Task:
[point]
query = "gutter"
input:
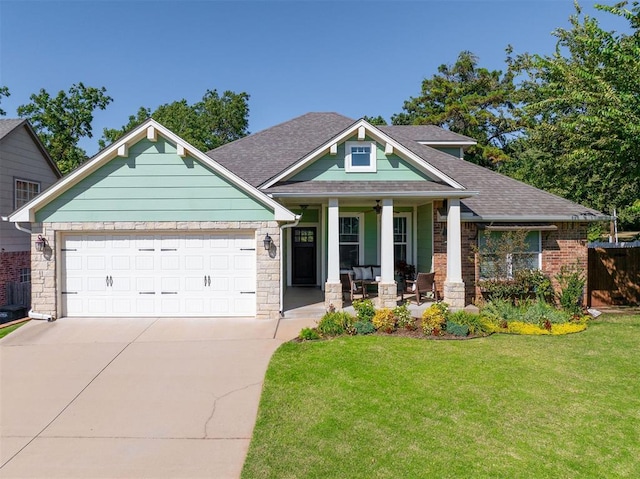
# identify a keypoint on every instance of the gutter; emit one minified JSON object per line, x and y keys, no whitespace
{"x":282,"y":285}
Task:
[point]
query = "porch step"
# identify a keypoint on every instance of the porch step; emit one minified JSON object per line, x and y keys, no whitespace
{"x":305,"y":312}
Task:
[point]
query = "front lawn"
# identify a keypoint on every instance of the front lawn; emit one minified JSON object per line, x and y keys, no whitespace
{"x":501,"y":406}
{"x":9,"y":329}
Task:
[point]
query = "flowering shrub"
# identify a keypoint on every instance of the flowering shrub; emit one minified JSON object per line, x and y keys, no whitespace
{"x":434,"y":319}
{"x":517,"y":327}
{"x":335,"y":323}
{"x":364,"y":309}
{"x":384,"y":320}
{"x":404,"y":320}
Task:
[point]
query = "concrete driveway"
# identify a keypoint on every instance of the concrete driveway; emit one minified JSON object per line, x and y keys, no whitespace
{"x":133,"y":397}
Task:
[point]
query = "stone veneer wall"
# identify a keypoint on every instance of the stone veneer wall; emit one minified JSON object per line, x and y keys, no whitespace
{"x":44,"y":267}
{"x":11,"y":263}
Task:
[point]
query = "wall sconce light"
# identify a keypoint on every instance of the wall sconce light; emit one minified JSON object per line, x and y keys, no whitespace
{"x":377,"y":208}
{"x":41,"y":243}
{"x":267,"y":242}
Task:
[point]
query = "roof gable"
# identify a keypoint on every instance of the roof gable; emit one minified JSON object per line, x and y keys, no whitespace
{"x":118,"y":160}
{"x":10,"y":125}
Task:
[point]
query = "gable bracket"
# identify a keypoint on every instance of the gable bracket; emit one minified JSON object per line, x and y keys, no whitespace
{"x":123,"y":150}
{"x":152,"y":134}
{"x":388,"y":149}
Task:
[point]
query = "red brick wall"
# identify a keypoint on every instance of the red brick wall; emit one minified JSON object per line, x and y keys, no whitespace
{"x":10,"y":265}
{"x":561,"y":247}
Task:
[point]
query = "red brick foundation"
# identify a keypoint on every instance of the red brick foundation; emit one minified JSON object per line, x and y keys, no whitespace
{"x":11,"y":263}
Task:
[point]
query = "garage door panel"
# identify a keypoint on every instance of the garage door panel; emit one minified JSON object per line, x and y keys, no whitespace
{"x":126,"y":274}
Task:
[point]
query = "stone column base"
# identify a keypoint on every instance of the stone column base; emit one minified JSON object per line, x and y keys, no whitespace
{"x":454,"y":295}
{"x":333,"y":296}
{"x":387,"y":295}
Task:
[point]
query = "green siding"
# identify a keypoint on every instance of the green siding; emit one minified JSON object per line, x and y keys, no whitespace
{"x":425,"y":238}
{"x":154,"y":184}
{"x":453,"y":151}
{"x":308,"y":216}
{"x":331,"y":168}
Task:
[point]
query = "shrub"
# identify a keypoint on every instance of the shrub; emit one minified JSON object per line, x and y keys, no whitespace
{"x":364,"y":309}
{"x":501,"y":311}
{"x":472,"y":321}
{"x":571,"y":281}
{"x":308,"y":334}
{"x":403,"y":316}
{"x":457,"y":329}
{"x":363,"y":327}
{"x":518,"y":327}
{"x":335,"y":323}
{"x":384,"y":320}
{"x":434,"y":319}
{"x":535,"y":281}
{"x":525,"y":284}
{"x":539,"y":312}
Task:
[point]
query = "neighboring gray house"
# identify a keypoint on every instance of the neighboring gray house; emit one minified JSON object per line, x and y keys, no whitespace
{"x":25,"y":170}
{"x":151,"y":226}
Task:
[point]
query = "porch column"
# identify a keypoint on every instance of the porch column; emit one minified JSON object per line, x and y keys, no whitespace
{"x":387,"y":289}
{"x":333,"y":287}
{"x":453,"y":284}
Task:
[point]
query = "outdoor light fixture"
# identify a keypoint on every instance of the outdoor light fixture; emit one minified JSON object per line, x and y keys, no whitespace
{"x":267,"y":242}
{"x":41,"y":243}
{"x":377,"y":208}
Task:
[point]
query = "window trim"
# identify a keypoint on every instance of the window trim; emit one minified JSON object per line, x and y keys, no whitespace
{"x":373,"y":156}
{"x":360,"y":242}
{"x":408,"y":243}
{"x":15,"y":190}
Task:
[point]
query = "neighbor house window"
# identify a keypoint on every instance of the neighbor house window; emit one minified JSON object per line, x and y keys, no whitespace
{"x":25,"y":275}
{"x":349,"y":234}
{"x":25,"y":191}
{"x":360,"y":156}
{"x":401,"y":238}
{"x":502,"y":253}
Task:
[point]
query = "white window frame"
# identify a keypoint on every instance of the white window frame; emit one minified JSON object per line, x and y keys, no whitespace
{"x":408,"y":243}
{"x":15,"y":191}
{"x":373,"y":154}
{"x":509,"y":258}
{"x":360,"y":242}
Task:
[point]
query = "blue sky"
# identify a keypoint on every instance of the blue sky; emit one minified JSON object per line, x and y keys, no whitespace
{"x":354,"y":57}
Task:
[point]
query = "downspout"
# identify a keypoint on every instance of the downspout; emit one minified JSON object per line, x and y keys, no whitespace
{"x":282,"y":285}
{"x":32,"y":314}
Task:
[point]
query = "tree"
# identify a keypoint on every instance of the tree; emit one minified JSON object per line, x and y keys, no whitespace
{"x":376,"y":120}
{"x":581,"y":110}
{"x":4,"y":91}
{"x":207,"y":124}
{"x":469,"y":100}
{"x":63,"y":120}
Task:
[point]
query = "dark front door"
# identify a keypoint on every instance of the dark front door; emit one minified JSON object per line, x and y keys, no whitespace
{"x":303,"y":256}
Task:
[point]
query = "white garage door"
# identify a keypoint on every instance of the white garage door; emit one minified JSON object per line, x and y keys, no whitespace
{"x":159,"y":275}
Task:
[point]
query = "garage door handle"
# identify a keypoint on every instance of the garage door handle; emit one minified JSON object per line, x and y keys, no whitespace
{"x":247,"y":292}
{"x":169,"y":292}
{"x":247,"y":249}
{"x":208,"y":280}
{"x":147,"y":292}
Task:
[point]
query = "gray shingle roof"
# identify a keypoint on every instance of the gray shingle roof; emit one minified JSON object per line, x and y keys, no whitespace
{"x":261,"y":156}
{"x":8,"y":125}
{"x":426,"y":133}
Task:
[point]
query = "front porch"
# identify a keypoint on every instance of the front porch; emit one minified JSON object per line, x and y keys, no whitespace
{"x":309,"y":303}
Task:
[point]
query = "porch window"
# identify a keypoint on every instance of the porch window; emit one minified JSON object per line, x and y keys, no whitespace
{"x":499,"y":261}
{"x":360,"y":156}
{"x":349,"y":234}
{"x":401,"y":239}
{"x":25,"y":191}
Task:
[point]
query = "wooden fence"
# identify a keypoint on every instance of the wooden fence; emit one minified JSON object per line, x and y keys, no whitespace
{"x":19,"y":294}
{"x":613,"y":275}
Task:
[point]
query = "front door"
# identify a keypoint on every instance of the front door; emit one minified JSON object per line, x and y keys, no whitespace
{"x":303,"y":256}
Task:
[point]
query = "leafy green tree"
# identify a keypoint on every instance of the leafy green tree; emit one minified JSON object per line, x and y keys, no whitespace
{"x":581,"y":111}
{"x":376,"y":120}
{"x":4,"y":91}
{"x":470,"y":100}
{"x":62,"y":120}
{"x":211,"y":122}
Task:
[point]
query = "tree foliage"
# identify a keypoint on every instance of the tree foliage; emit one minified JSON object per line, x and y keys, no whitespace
{"x":470,"y":100}
{"x":4,"y":91}
{"x":62,"y":120}
{"x":211,"y":122}
{"x":581,"y":109}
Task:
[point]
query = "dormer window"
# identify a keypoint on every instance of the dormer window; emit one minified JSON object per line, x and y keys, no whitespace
{"x":360,"y":156}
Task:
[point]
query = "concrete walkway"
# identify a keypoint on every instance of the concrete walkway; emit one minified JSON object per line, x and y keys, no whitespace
{"x":143,"y":397}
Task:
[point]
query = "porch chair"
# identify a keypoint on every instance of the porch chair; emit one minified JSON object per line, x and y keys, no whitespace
{"x":423,"y":284}
{"x":352,"y":287}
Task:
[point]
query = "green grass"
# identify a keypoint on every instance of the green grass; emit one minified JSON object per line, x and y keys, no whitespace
{"x":497,"y":407}
{"x":10,"y":329}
